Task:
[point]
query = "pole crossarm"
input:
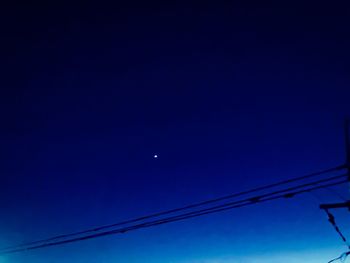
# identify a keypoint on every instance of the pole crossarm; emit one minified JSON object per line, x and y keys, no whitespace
{"x":336,"y":205}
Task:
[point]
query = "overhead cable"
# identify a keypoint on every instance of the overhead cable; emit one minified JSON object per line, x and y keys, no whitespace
{"x":187,"y":207}
{"x":285,"y":193}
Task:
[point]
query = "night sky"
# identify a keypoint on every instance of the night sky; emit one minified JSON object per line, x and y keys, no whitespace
{"x":228,"y":96}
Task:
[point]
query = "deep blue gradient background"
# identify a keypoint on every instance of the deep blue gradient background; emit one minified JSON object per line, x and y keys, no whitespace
{"x":229,"y":96}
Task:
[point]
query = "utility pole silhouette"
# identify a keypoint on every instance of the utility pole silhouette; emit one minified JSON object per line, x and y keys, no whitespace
{"x":347,"y":145}
{"x":346,"y":166}
{"x":327,"y":207}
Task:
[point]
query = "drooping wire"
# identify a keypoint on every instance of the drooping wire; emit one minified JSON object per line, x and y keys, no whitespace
{"x":331,"y":219}
{"x":334,"y":192}
{"x":187,"y":207}
{"x":342,"y":257}
{"x":286,"y":193}
{"x":166,"y":220}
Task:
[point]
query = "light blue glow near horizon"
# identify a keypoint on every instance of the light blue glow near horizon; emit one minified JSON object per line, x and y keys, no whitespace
{"x":285,"y":257}
{"x":282,"y":239}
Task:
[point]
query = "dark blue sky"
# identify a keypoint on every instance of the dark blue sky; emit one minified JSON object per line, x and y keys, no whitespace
{"x":229,"y":96}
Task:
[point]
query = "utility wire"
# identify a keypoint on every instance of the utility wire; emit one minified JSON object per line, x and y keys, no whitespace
{"x":166,"y":220}
{"x":286,"y":193}
{"x":222,"y":208}
{"x":334,"y":192}
{"x":331,"y":219}
{"x":342,"y":257}
{"x":194,"y":205}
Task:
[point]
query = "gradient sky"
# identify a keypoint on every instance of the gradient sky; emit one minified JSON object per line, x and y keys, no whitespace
{"x":228,"y":96}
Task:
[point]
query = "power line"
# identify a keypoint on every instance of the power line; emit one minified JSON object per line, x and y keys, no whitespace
{"x":167,"y":220}
{"x":331,"y":219}
{"x":346,"y":204}
{"x":187,"y":207}
{"x":341,"y":257}
{"x":285,"y":193}
{"x":334,"y":192}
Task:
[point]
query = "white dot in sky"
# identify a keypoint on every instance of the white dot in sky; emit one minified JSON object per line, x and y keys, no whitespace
{"x":155,"y":156}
